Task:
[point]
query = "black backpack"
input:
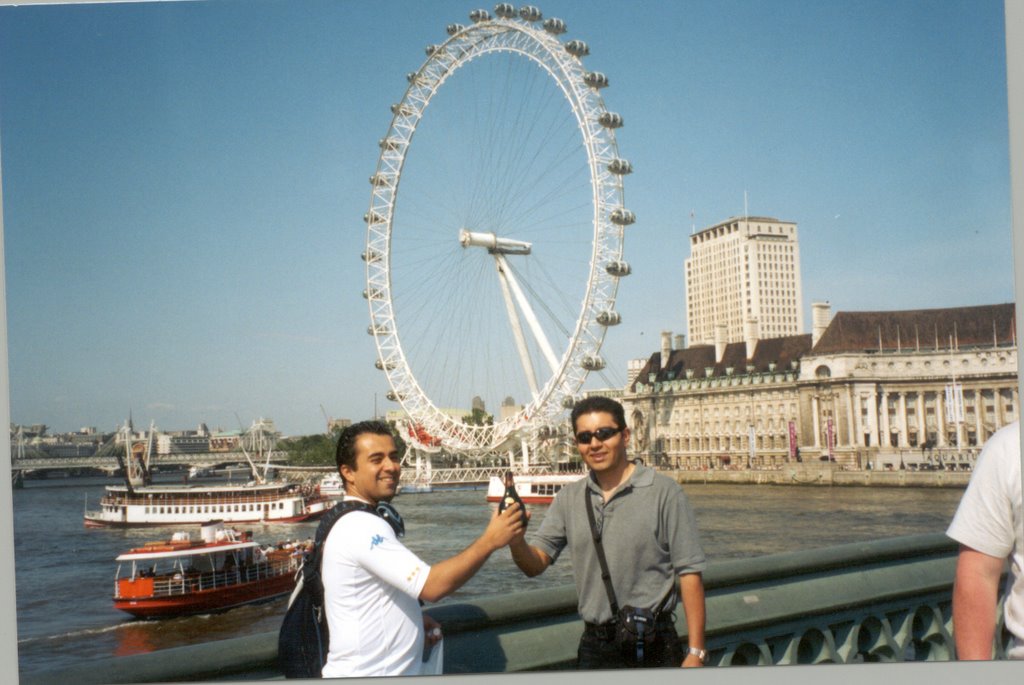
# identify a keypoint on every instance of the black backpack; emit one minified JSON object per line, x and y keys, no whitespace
{"x":303,"y":640}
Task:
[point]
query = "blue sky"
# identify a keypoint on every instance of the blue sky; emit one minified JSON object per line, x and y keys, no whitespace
{"x":184,"y":183}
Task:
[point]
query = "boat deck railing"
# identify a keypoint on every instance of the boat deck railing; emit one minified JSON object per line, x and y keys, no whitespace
{"x":182,"y":584}
{"x":879,"y":601}
{"x":197,"y":499}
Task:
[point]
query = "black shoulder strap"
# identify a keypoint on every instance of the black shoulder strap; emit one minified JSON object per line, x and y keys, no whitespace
{"x":335,"y":513}
{"x":311,"y":565}
{"x":606,"y":577}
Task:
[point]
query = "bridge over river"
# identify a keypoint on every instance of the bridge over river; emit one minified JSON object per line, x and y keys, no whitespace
{"x":442,"y":477}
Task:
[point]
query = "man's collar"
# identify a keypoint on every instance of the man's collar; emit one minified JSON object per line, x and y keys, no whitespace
{"x":642,"y":476}
{"x":353,"y":498}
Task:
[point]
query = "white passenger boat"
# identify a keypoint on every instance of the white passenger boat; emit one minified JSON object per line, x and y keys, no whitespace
{"x":140,"y":503}
{"x":165,"y":505}
{"x":331,"y":486}
{"x":535,"y":488}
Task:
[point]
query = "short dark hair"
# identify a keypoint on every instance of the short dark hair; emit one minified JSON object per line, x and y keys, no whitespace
{"x":601,"y":404}
{"x":345,"y":455}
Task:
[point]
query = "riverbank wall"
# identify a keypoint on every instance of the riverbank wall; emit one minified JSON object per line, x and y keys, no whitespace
{"x":825,"y":474}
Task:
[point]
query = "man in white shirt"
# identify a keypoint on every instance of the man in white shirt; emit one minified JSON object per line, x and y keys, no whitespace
{"x":373,"y":585}
{"x":989,"y":527}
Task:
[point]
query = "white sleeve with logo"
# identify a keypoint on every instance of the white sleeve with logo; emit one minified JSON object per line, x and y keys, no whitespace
{"x":377,"y":549}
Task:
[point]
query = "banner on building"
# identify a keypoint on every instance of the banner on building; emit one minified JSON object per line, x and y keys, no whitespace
{"x":750,"y":439}
{"x":792,"y":440}
{"x":954,"y":403}
{"x":830,"y":437}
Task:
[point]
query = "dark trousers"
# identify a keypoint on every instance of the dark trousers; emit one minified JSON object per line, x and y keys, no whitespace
{"x":598,"y":649}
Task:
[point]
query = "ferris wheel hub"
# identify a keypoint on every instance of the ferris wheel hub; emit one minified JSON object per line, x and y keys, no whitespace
{"x":493,"y":243}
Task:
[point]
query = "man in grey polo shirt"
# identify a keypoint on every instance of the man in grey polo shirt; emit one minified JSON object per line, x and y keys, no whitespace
{"x":650,"y":542}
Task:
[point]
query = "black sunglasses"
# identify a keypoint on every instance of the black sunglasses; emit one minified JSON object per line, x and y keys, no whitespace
{"x":601,"y":434}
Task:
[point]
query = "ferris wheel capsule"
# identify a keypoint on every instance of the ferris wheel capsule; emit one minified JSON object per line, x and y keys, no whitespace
{"x":609,"y":318}
{"x":555,"y":26}
{"x":373,"y":218}
{"x":380,"y":180}
{"x":595,"y":79}
{"x":477,"y":16}
{"x":393,"y":396}
{"x":505,"y":10}
{"x":620,"y":167}
{"x":592,"y":362}
{"x":389,"y":144}
{"x":401,"y":110}
{"x":621,"y":216}
{"x":618,"y":268}
{"x":531,"y":13}
{"x":370,"y":256}
{"x":453,"y":29}
{"x":577,"y":48}
{"x":610,"y":120}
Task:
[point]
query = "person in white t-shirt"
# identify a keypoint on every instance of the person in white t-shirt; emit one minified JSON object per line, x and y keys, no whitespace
{"x":373,"y":585}
{"x":989,"y":527}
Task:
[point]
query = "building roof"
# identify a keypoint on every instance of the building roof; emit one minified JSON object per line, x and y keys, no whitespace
{"x":907,"y":330}
{"x":924,"y":329}
{"x":779,"y":351}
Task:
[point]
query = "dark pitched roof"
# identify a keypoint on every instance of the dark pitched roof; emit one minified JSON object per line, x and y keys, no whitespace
{"x":780,"y":351}
{"x":926,"y":329}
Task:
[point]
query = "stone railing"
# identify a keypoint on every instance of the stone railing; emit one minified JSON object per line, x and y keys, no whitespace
{"x":886,"y":600}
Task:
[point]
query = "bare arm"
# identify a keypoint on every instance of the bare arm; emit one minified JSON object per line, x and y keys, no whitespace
{"x":975,"y":595}
{"x":691,"y":589}
{"x":451,"y":574}
{"x":530,"y":560}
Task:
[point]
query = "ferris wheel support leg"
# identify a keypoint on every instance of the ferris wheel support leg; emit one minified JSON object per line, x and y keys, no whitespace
{"x":531,"y":318}
{"x":517,"y":329}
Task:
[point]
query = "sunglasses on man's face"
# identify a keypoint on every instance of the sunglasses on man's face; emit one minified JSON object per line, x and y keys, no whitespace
{"x":601,"y":434}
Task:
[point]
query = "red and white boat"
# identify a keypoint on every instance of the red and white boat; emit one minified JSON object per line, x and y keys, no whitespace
{"x":221,"y":570}
{"x":534,"y":488}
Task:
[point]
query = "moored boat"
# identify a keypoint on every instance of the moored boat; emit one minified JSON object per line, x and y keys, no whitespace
{"x":331,"y":486}
{"x":534,"y":488}
{"x":221,"y":570}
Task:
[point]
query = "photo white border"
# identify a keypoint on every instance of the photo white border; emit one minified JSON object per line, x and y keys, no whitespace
{"x":933,"y":674}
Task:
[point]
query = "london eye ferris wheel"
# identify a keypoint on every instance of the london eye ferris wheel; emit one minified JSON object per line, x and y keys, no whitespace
{"x":494,"y":243}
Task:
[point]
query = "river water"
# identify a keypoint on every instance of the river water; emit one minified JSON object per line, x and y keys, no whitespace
{"x":65,"y":573}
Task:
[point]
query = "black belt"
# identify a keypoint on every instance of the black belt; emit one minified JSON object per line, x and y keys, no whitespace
{"x":606,"y":631}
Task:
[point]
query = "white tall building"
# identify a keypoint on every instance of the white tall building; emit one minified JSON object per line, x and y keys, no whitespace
{"x":743,"y":279}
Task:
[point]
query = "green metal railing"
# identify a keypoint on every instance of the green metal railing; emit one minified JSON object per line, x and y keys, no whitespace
{"x":886,"y":600}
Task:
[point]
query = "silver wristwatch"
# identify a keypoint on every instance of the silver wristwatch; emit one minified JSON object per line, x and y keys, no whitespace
{"x":701,"y":654}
